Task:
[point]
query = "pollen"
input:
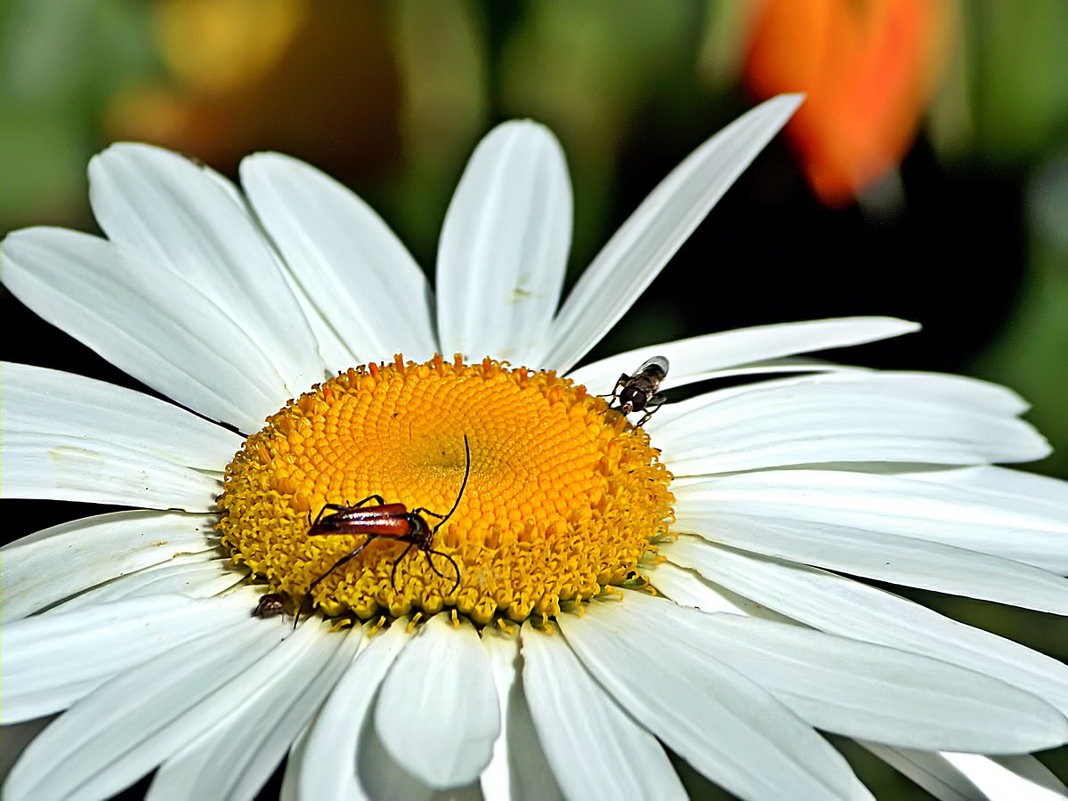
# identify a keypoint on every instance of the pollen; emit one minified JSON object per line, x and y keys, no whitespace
{"x":563,"y":496}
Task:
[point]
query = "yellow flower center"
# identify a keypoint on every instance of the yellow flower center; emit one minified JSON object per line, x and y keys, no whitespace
{"x":562,"y":499}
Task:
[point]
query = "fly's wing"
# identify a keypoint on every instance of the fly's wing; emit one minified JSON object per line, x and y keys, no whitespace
{"x":656,"y":367}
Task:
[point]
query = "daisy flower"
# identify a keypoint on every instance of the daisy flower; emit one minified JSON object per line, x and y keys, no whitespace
{"x":496,"y":584}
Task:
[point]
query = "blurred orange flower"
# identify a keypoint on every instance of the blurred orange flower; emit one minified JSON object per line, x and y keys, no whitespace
{"x":868,"y":68}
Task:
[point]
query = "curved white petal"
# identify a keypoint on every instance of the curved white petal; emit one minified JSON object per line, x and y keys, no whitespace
{"x":233,"y":760}
{"x":519,"y":769}
{"x":687,"y":589}
{"x":862,"y":690}
{"x":973,"y":777}
{"x":929,"y":770}
{"x":842,"y":417}
{"x":156,"y":325}
{"x":697,"y":358}
{"x":437,"y":713}
{"x":37,"y":570}
{"x":595,"y":748}
{"x":131,"y":724}
{"x":67,"y":437}
{"x":194,"y":576}
{"x":885,"y":557}
{"x":1009,"y":778}
{"x":504,"y":247}
{"x":352,"y":267}
{"x":649,"y":238}
{"x":189,"y":219}
{"x":326,"y":762}
{"x":849,"y":608}
{"x":52,"y":661}
{"x":719,"y":721}
{"x":978,"y":520}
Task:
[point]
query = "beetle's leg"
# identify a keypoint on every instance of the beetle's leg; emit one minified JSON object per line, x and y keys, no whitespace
{"x":432,"y":514}
{"x":381,"y":502}
{"x":456,"y":582}
{"x":397,"y":561}
{"x":340,"y":562}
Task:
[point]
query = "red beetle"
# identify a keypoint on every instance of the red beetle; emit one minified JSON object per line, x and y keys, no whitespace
{"x":390,"y":521}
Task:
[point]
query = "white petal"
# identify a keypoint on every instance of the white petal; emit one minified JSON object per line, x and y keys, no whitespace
{"x":595,"y":748}
{"x":519,"y":769}
{"x":649,"y":238}
{"x":134,"y":722}
{"x":437,"y":713}
{"x":841,"y":417}
{"x":929,"y":770}
{"x":37,"y":570}
{"x":988,"y":522}
{"x":849,"y":608}
{"x":687,"y":589}
{"x":1050,"y":493}
{"x":177,"y":215}
{"x":351,"y":265}
{"x":724,"y":725}
{"x":504,"y":247}
{"x":695,"y":359}
{"x":326,"y":766}
{"x":153,"y":324}
{"x":67,"y":437}
{"x":1009,"y":779}
{"x":863,"y":690}
{"x":885,"y":557}
{"x":194,"y":576}
{"x":52,"y":661}
{"x":233,"y":760}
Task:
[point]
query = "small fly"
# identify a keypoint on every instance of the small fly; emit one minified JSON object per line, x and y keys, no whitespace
{"x":391,"y":521}
{"x":271,"y":604}
{"x":638,"y":392}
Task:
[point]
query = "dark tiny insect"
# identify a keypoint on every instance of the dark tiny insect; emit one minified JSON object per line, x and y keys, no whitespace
{"x":638,"y":392}
{"x":270,"y":605}
{"x":390,"y":521}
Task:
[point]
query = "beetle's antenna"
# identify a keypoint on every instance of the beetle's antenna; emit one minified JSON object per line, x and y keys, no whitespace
{"x":463,"y":486}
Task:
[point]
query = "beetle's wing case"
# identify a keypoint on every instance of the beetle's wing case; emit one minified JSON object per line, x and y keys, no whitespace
{"x":657,"y":363}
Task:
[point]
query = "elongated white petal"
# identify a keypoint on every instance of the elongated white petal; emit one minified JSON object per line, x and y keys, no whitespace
{"x":519,"y":768}
{"x":156,"y":325}
{"x":595,"y":748}
{"x":1051,"y":493}
{"x":233,"y":760}
{"x":695,"y":358}
{"x":886,"y":557}
{"x":187,"y":218}
{"x":52,"y":661}
{"x":722,"y":723}
{"x":649,"y":238}
{"x":864,"y":690}
{"x":1008,"y":779}
{"x":973,"y":777}
{"x":988,"y":522}
{"x":37,"y":570}
{"x":194,"y":576}
{"x":929,"y":770}
{"x":688,"y":589}
{"x":849,"y":608}
{"x":67,"y":437}
{"x":842,"y":417}
{"x":326,"y":763}
{"x":438,"y":713}
{"x":504,"y":247}
{"x":345,"y":258}
{"x":134,"y":722}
